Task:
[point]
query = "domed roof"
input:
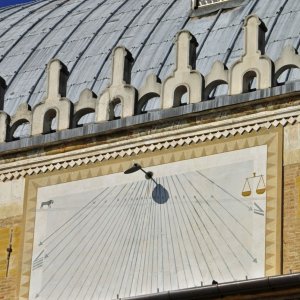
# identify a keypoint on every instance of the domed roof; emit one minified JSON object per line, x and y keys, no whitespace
{"x":83,"y":33}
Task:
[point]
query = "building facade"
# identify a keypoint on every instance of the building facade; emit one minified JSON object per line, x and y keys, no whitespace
{"x":158,"y":153}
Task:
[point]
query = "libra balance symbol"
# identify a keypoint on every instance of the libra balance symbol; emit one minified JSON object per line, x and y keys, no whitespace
{"x":260,"y":188}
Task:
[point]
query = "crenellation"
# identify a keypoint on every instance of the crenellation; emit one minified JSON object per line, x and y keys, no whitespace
{"x":120,"y":89}
{"x":218,"y":75}
{"x":288,"y":59}
{"x":151,"y":89}
{"x":185,"y":85}
{"x":23,"y":115}
{"x":253,"y":63}
{"x":85,"y":105}
{"x":55,"y":105}
{"x":185,"y":79}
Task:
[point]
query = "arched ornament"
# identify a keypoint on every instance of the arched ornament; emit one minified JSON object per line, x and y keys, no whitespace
{"x":119,"y":89}
{"x":55,"y":99}
{"x":288,"y":59}
{"x":184,"y":74}
{"x":253,"y":59}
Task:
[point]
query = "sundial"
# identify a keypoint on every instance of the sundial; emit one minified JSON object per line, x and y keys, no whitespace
{"x":192,"y":222}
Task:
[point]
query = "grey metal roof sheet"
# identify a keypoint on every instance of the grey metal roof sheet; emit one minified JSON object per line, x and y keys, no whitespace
{"x":82,"y":33}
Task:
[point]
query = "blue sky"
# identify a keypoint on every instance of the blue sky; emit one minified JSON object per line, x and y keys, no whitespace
{"x":12,"y":2}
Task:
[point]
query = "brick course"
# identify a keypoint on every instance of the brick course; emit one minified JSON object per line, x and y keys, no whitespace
{"x":291,"y":219}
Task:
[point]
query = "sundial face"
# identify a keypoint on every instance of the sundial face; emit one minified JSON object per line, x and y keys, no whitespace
{"x":118,"y":234}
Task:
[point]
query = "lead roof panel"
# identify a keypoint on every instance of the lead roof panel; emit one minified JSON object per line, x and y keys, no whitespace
{"x":83,"y":33}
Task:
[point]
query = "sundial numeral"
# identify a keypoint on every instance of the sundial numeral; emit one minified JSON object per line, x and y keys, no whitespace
{"x":258,"y":210}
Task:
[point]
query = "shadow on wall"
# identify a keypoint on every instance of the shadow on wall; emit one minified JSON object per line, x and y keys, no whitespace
{"x":160,"y":195}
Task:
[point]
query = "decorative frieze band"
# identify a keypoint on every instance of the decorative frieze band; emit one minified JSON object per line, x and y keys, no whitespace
{"x":131,"y":148}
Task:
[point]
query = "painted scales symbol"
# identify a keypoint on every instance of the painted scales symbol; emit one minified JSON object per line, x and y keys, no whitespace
{"x":260,"y":188}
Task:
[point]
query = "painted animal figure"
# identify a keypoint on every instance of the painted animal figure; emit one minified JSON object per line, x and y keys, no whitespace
{"x":47,"y":203}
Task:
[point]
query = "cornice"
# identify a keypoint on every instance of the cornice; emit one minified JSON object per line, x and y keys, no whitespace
{"x":155,"y":141}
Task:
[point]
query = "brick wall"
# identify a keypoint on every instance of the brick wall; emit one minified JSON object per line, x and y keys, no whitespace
{"x":291,"y":219}
{"x":9,"y":284}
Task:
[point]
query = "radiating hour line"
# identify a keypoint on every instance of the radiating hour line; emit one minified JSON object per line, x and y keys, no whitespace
{"x":224,"y":190}
{"x":113,"y":242}
{"x":139,"y":252}
{"x":204,"y":226}
{"x":66,"y":260}
{"x":108,"y":217}
{"x":146,"y":281}
{"x":73,"y":217}
{"x":188,"y":216}
{"x":231,"y":215}
{"x":136,"y":217}
{"x":200,"y":231}
{"x":228,"y":227}
{"x":76,"y":227}
{"x":66,"y":248}
{"x":111,"y":238}
{"x":121,"y":245}
{"x":168,"y":222}
{"x":216,"y":246}
{"x":109,"y":235}
{"x":222,"y":221}
{"x":183,"y":211}
{"x":177,"y":237}
{"x":145,"y":251}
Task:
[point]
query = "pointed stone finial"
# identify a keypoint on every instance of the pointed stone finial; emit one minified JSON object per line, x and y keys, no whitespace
{"x":184,"y":76}
{"x":288,"y":59}
{"x":253,"y":63}
{"x":119,"y":90}
{"x":55,"y":105}
{"x":254,"y":36}
{"x":57,"y":79}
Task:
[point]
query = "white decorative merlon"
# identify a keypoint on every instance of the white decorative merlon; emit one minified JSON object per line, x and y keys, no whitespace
{"x":218,"y":75}
{"x":184,"y":79}
{"x":151,"y":88}
{"x":86,"y":104}
{"x":22,"y":115}
{"x":55,"y":105}
{"x":120,"y":89}
{"x":289,"y":59}
{"x":253,"y":63}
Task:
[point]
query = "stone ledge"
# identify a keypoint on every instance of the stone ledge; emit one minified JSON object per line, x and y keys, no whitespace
{"x":151,"y":118}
